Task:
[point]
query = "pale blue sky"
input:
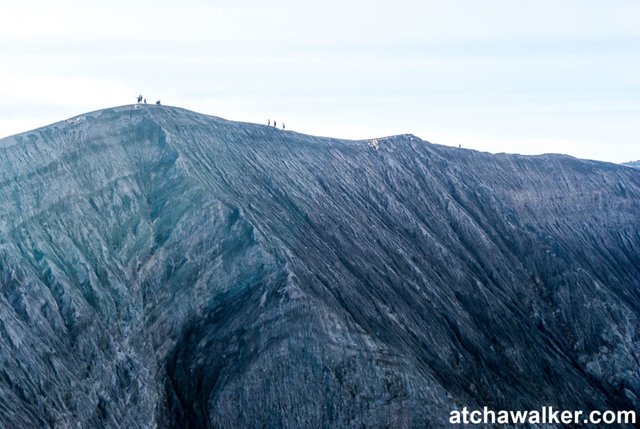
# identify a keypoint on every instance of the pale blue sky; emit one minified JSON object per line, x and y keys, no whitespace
{"x":514,"y":76}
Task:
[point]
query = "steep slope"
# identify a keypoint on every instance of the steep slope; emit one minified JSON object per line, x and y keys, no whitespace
{"x":161,"y":267}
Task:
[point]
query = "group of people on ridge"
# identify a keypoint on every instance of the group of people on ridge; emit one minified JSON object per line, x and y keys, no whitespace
{"x":275,"y":124}
{"x":141,"y":99}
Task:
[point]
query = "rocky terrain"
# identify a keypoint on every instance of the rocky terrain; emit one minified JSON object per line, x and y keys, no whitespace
{"x":162,"y":268}
{"x":635,"y":164}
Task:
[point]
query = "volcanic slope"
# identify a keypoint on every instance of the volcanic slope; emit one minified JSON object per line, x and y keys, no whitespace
{"x":163,"y":267}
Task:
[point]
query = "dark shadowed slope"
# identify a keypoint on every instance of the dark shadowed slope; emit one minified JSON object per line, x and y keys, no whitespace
{"x":162,"y":267}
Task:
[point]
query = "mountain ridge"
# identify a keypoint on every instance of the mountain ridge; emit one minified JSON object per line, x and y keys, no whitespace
{"x":163,"y":267}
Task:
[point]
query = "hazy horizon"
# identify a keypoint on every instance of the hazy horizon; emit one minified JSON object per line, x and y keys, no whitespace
{"x":499,"y":77}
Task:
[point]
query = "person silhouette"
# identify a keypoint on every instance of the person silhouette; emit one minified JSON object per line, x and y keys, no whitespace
{"x":275,"y":124}
{"x":283,"y":125}
{"x":269,"y":122}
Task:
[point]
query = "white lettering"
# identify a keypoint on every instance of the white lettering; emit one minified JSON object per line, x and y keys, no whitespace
{"x":577,"y":417}
{"x":566,"y":417}
{"x":553,"y":416}
{"x":545,"y":416}
{"x":476,"y":417}
{"x":489,"y":416}
{"x":627,"y":417}
{"x":609,"y":417}
{"x":465,"y":415}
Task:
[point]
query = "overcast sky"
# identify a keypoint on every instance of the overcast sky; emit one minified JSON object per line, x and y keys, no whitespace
{"x":515,"y":76}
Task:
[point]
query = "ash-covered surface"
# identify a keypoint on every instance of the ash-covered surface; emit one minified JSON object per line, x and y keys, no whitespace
{"x":162,"y":268}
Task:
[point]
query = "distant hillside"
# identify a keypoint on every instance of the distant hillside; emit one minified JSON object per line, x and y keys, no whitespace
{"x":163,"y":268}
{"x":634,"y":164}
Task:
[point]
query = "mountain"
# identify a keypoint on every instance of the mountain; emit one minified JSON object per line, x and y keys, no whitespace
{"x":634,"y":164}
{"x":163,"y":268}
